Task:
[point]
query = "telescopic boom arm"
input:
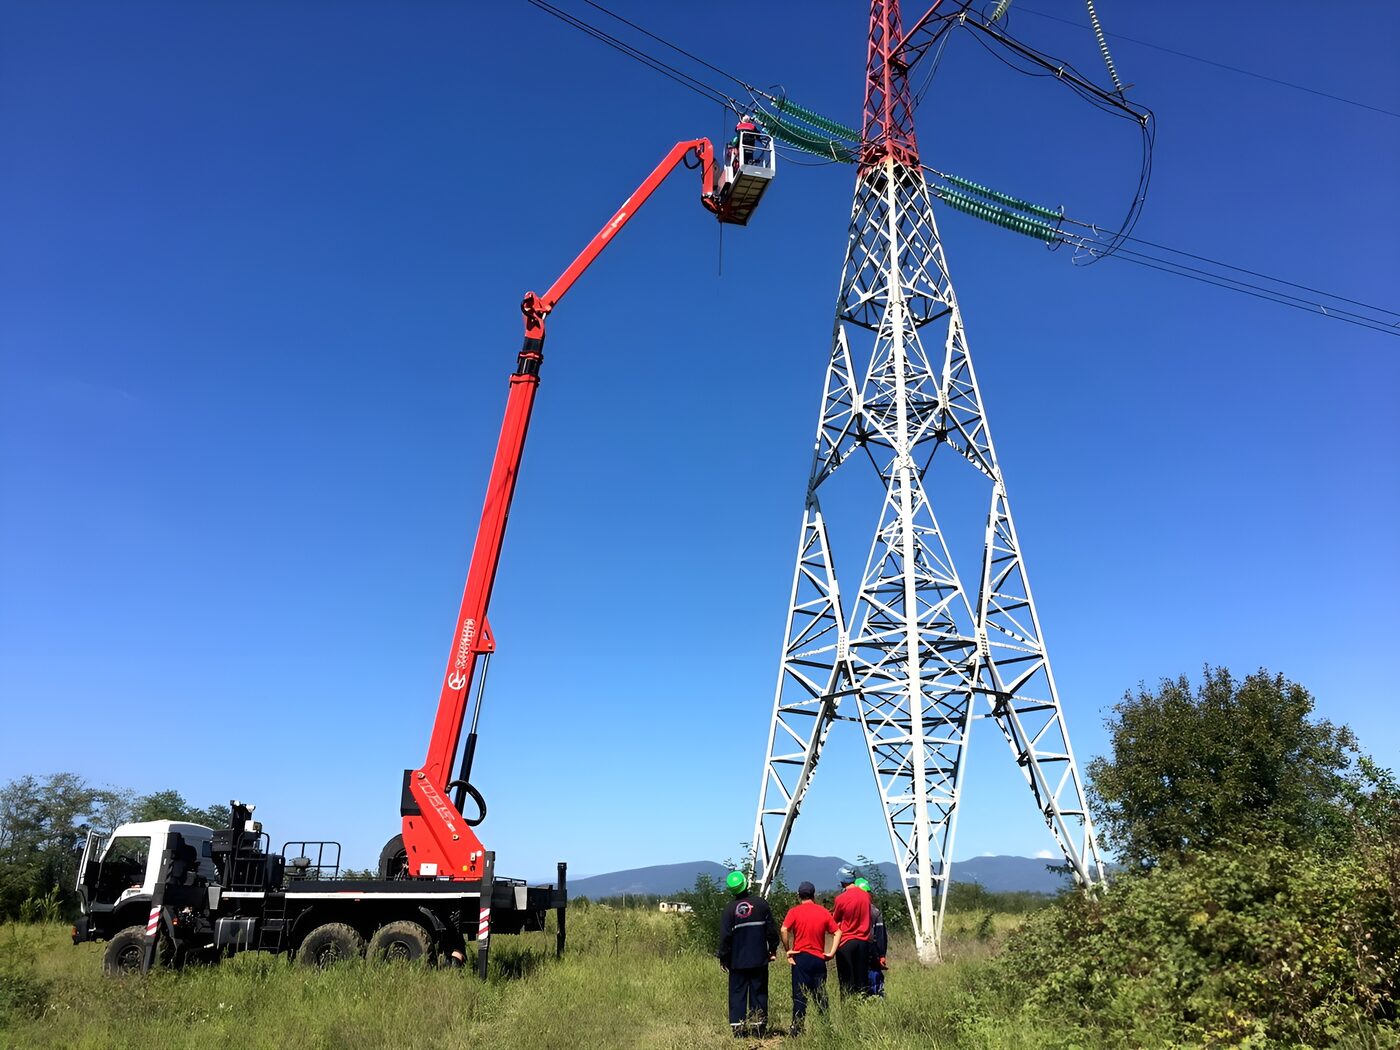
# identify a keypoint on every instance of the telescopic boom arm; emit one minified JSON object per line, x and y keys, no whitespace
{"x":437,"y":840}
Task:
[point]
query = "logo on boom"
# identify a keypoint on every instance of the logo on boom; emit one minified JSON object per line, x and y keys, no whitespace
{"x":464,"y":647}
{"x":457,"y":679}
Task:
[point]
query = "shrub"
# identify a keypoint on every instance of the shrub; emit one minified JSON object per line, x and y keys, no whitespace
{"x":707,"y":899}
{"x":1257,"y":943}
{"x":45,"y":908}
{"x":973,"y":896}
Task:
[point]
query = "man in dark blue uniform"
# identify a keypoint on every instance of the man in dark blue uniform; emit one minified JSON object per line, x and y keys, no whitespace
{"x":748,"y":942}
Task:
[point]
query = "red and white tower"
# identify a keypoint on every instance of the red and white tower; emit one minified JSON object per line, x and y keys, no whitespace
{"x":921,"y":652}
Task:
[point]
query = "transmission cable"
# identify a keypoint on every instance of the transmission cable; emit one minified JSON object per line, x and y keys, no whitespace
{"x":924,"y":87}
{"x":1165,"y":266}
{"x":687,"y":81}
{"x":674,"y":47}
{"x":1088,"y":242}
{"x":1281,"y":297}
{"x":1056,"y":69}
{"x":1218,"y":65}
{"x":1048,"y":225}
{"x":1254,"y":273}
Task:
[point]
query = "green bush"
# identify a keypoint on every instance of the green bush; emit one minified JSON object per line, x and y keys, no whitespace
{"x":707,"y":900}
{"x":700,"y":925}
{"x":1254,"y":944}
{"x":973,"y":896}
{"x":42,"y":909}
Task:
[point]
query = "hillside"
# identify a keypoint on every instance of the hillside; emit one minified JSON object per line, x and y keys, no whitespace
{"x":997,"y":874}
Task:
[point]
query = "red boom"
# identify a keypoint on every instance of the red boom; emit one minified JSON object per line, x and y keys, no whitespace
{"x":436,"y":838}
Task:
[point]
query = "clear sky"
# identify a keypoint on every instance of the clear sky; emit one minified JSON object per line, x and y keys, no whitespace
{"x":259,"y":276}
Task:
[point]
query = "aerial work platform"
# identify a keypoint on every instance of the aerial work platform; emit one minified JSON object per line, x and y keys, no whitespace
{"x":749,"y":164}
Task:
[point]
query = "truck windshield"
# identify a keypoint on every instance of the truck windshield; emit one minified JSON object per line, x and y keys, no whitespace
{"x":123,"y":866}
{"x":129,"y":849}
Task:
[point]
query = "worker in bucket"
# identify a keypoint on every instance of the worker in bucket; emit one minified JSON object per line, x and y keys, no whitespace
{"x":748,"y":942}
{"x":879,"y":945}
{"x":851,"y":911}
{"x":805,"y":930}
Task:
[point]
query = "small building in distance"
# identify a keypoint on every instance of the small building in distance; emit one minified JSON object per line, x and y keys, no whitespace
{"x":675,"y":906}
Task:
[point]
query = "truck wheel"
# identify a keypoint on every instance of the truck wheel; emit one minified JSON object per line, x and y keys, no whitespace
{"x":393,"y":859}
{"x":402,"y":942}
{"x":127,"y":950}
{"x":332,"y":943}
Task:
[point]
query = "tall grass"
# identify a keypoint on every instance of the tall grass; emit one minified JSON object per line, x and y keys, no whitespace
{"x":627,"y":980}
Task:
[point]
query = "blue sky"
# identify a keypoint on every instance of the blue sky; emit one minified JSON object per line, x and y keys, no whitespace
{"x":258,"y":302}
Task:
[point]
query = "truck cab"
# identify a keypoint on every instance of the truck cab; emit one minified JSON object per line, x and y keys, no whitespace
{"x":117,"y":874}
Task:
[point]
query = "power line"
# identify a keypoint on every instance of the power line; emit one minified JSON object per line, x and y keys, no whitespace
{"x":674,"y":47}
{"x":1086,"y":242}
{"x":1266,"y":277}
{"x":1019,"y":54}
{"x":682,"y":78}
{"x":1218,"y":65}
{"x":1166,"y":266}
{"x":1090,"y":240}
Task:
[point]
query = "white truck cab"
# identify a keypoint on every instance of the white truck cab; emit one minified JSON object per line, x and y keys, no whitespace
{"x":118,"y":872}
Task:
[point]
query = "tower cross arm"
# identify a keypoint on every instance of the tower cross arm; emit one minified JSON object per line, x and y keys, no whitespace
{"x":923,"y":35}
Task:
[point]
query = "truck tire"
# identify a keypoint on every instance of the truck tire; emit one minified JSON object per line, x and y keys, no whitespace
{"x":127,"y":950}
{"x":332,"y":943}
{"x":405,"y":941}
{"x":393,"y":859}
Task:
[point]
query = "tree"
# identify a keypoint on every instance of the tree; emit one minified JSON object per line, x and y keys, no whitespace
{"x":1226,"y":762}
{"x":43,"y":824}
{"x":171,"y":805}
{"x":1374,"y":805}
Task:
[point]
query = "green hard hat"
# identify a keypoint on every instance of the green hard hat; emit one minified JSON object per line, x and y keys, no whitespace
{"x":737,"y":882}
{"x":863,"y":884}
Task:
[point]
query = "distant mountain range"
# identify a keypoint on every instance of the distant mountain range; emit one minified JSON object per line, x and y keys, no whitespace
{"x":997,"y":874}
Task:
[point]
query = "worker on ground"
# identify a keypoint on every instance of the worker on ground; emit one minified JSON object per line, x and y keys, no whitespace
{"x":852,"y":914}
{"x":748,"y":942}
{"x":879,"y":945}
{"x":805,"y":928}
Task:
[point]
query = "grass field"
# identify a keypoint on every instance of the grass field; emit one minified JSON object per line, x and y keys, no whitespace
{"x":626,"y":981}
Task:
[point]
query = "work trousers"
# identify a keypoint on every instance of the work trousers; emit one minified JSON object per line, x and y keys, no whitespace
{"x":852,"y":966}
{"x":748,"y":998}
{"x":808,"y":981}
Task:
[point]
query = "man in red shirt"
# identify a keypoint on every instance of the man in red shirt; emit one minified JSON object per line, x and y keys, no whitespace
{"x":804,"y":936}
{"x":852,"y":914}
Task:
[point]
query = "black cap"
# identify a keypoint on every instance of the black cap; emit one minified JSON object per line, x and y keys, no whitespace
{"x":806,"y":890}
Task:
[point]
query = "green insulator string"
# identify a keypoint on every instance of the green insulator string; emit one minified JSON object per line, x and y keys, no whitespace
{"x":785,"y":129}
{"x":995,"y":195}
{"x":805,"y":140}
{"x":787,"y":107}
{"x":999,"y":216}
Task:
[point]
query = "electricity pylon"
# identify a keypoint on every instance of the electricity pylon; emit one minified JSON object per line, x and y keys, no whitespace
{"x":916,"y":657}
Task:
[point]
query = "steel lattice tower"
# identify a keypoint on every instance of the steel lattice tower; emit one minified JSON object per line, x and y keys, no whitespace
{"x":916,"y":658}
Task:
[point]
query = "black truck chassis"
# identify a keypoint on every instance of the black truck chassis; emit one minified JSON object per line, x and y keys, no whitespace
{"x":260,"y":903}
